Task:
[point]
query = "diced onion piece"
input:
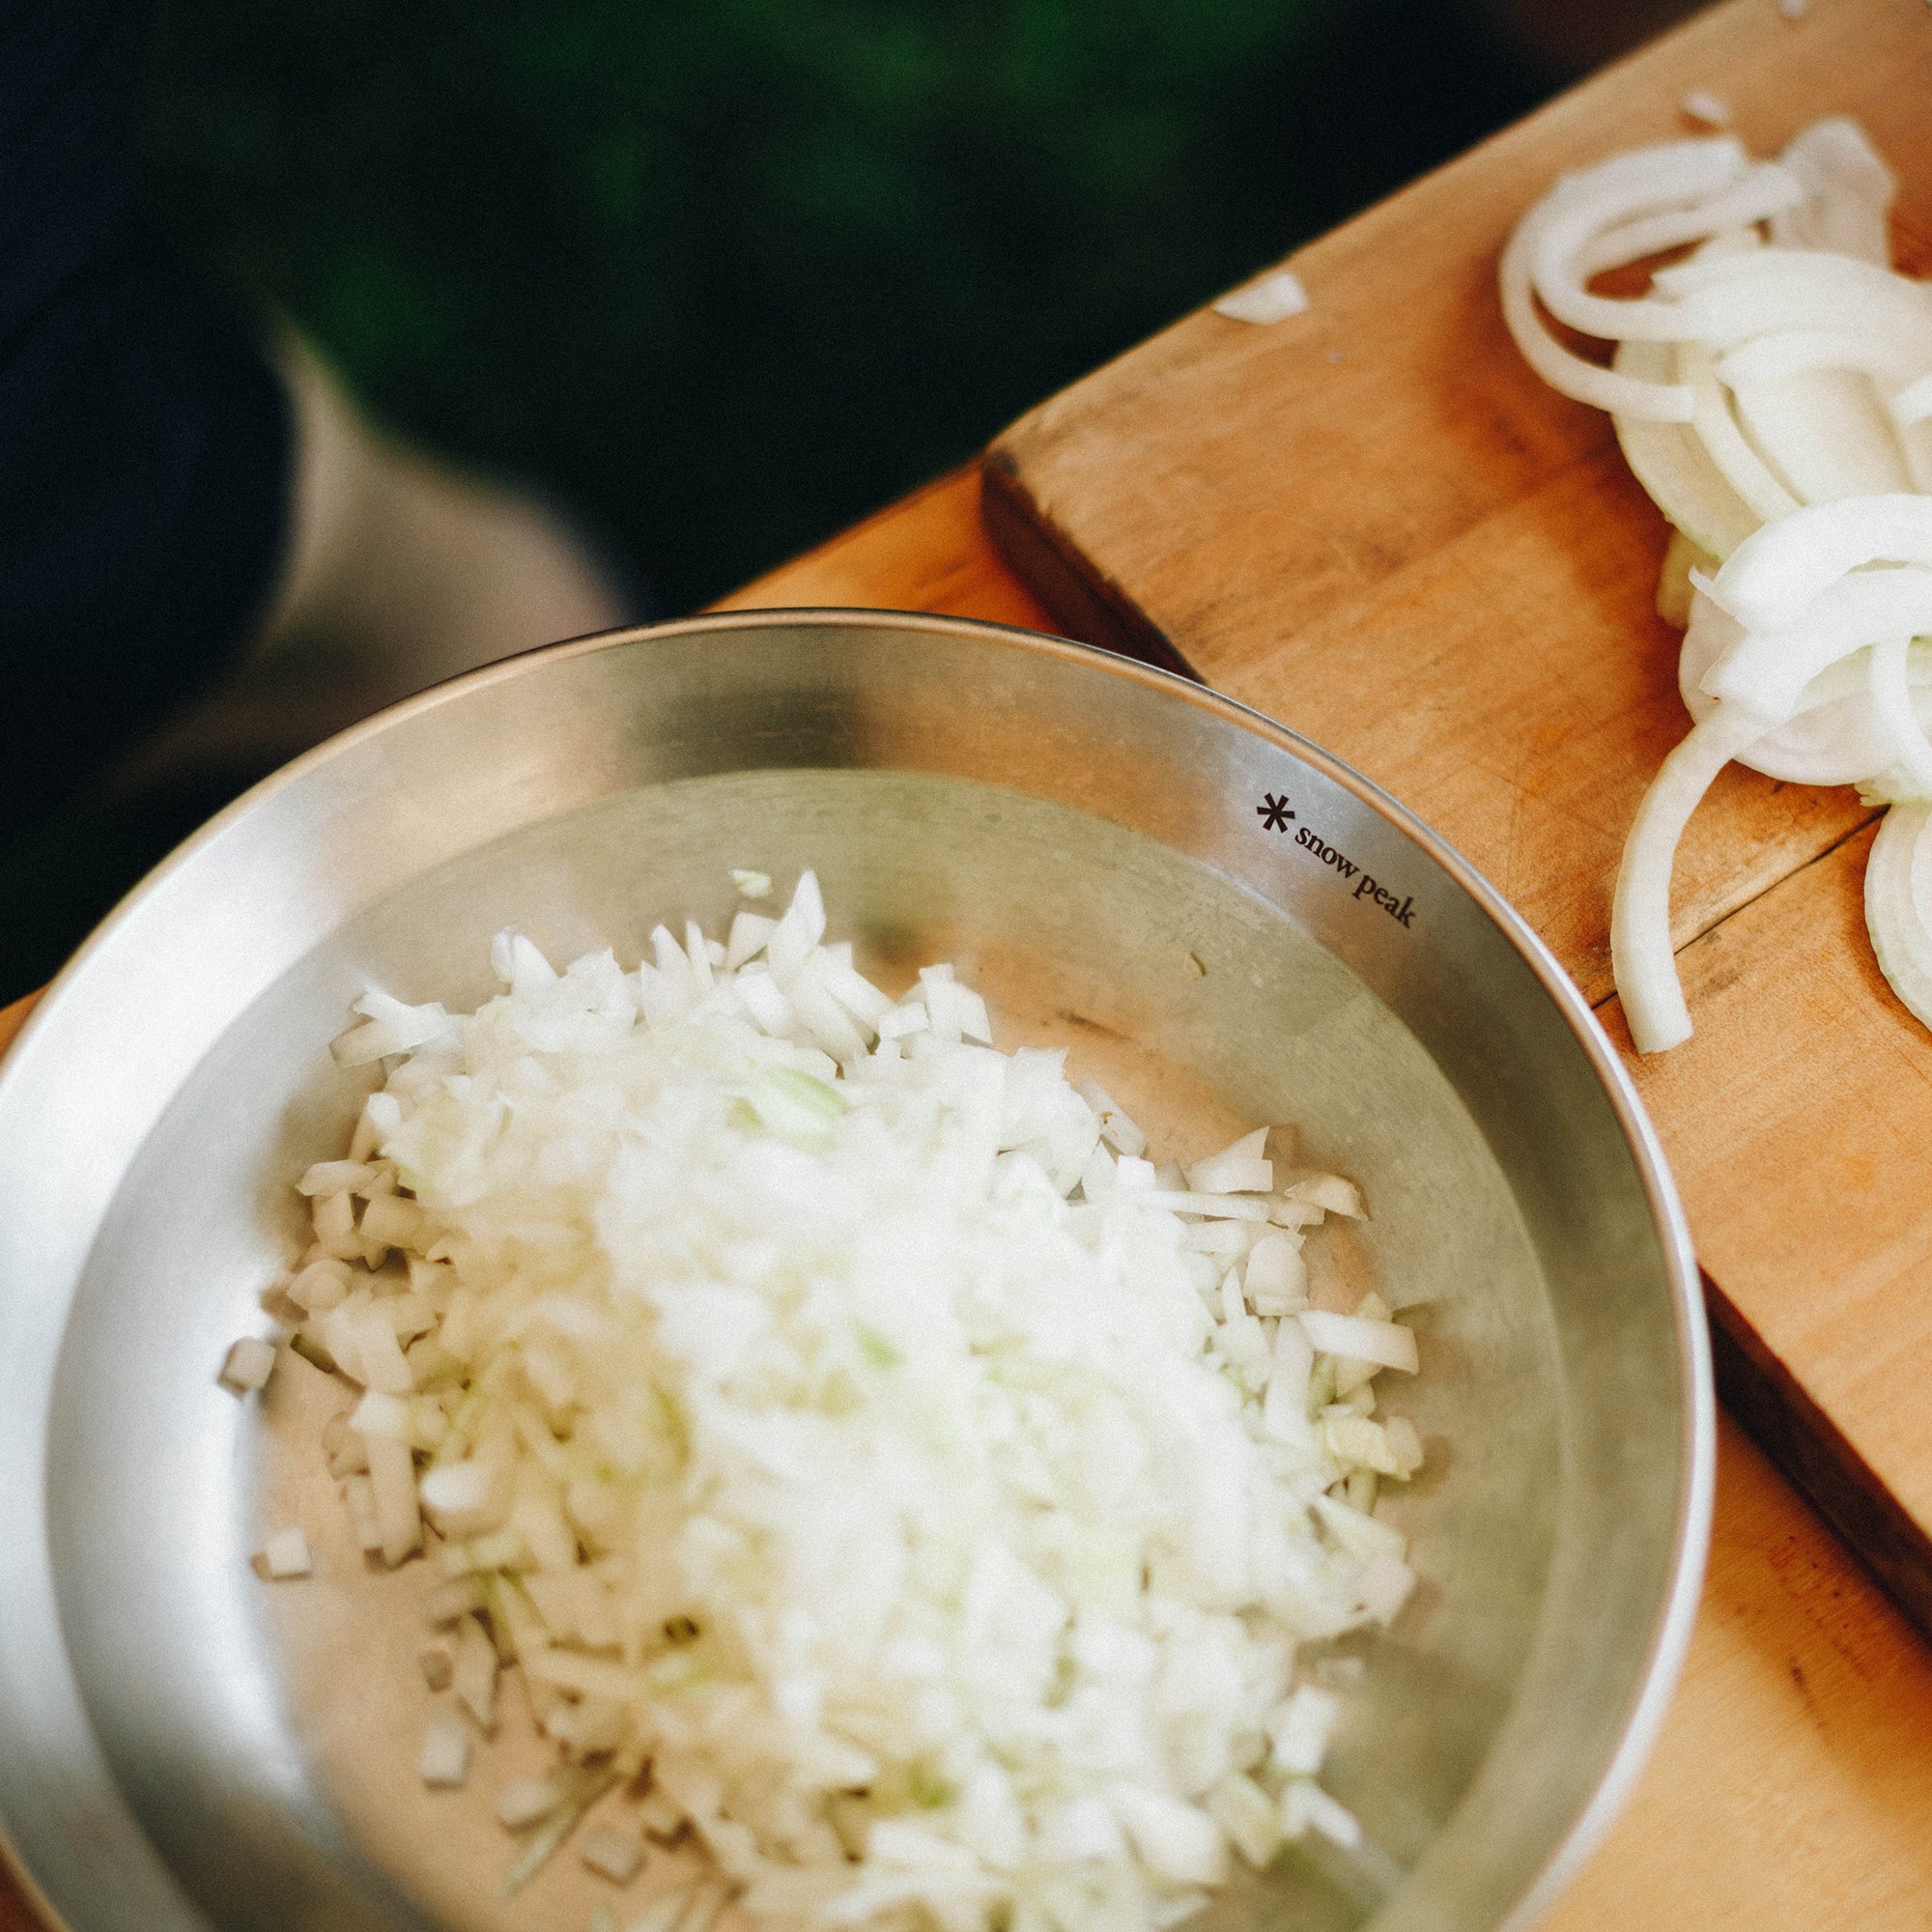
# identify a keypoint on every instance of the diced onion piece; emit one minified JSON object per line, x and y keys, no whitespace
{"x":1333,"y":1194}
{"x":1275,"y":1279}
{"x":854,"y":992}
{"x":798,"y":932}
{"x":465,"y":1498}
{"x":1699,"y":104}
{"x":1305,"y":1805}
{"x":1402,"y":1437}
{"x":1299,"y":1729}
{"x":750,"y":933}
{"x":392,"y":1026}
{"x":285,"y":1554}
{"x":1270,"y":297}
{"x":752,"y":885}
{"x":474,"y":1676}
{"x":359,"y":1497}
{"x":903,"y":1021}
{"x":1240,"y":1169}
{"x":249,"y":1364}
{"x":1386,"y":1585}
{"x":1248,"y":1816}
{"x":765,"y":1002}
{"x":393,"y":1479}
{"x":335,"y":1176}
{"x":320,"y":1285}
{"x":1175,"y":1839}
{"x":445,"y":1754}
{"x":525,"y":1800}
{"x":611,"y":1853}
{"x":1390,"y":1344}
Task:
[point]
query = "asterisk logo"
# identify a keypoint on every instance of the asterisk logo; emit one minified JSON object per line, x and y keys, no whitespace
{"x":1273,"y":813}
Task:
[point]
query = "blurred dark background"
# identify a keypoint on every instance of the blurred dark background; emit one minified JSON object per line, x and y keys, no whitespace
{"x":725,"y":274}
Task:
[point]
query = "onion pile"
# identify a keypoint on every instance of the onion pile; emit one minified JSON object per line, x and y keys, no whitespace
{"x":1773,"y":392}
{"x":848,"y":1426}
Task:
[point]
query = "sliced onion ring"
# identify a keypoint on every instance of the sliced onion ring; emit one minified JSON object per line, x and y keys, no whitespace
{"x":1761,"y":490}
{"x":1676,"y":470}
{"x":1898,"y":895}
{"x":1568,"y":372}
{"x":1767,"y":671}
{"x":1641,"y":955}
{"x":1730,"y":298}
{"x":1769,"y":581}
{"x":1575,"y":242}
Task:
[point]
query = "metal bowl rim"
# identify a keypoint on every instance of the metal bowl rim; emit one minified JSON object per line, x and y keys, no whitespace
{"x":1676,"y":1616}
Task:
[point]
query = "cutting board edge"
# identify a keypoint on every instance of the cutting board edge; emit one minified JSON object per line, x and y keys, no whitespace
{"x":1812,"y":1450}
{"x":1081,"y":601}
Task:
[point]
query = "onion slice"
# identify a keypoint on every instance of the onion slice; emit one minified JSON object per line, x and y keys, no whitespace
{"x":1848,"y":192}
{"x":1641,"y":951}
{"x":1770,"y":580}
{"x":1568,"y":372}
{"x":1676,"y":467}
{"x":1898,"y":892}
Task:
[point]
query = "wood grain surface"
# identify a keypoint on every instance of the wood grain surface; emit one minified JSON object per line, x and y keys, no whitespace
{"x":1793,"y":1782}
{"x":1374,"y":523}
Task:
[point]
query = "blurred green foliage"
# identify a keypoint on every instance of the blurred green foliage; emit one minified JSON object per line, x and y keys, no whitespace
{"x":728,"y":273}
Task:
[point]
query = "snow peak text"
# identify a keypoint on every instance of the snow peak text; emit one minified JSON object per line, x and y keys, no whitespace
{"x":1401,"y":910}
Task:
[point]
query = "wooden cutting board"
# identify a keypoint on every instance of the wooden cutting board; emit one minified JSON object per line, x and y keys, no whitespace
{"x":1372,"y":523}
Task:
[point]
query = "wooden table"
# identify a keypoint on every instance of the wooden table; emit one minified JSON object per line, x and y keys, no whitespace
{"x":1793,"y":1784}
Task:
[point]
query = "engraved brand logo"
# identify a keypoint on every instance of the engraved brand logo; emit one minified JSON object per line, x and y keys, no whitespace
{"x":1401,"y":910}
{"x":1273,"y":811}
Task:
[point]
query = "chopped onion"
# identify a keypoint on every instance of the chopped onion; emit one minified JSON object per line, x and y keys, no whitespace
{"x":831,"y":1409}
{"x":1389,"y":1344}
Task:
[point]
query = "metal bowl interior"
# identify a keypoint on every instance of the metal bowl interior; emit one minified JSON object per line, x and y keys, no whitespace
{"x":1092,"y":841}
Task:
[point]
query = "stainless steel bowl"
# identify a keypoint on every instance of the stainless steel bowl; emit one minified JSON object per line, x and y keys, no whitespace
{"x":1212,"y":911}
